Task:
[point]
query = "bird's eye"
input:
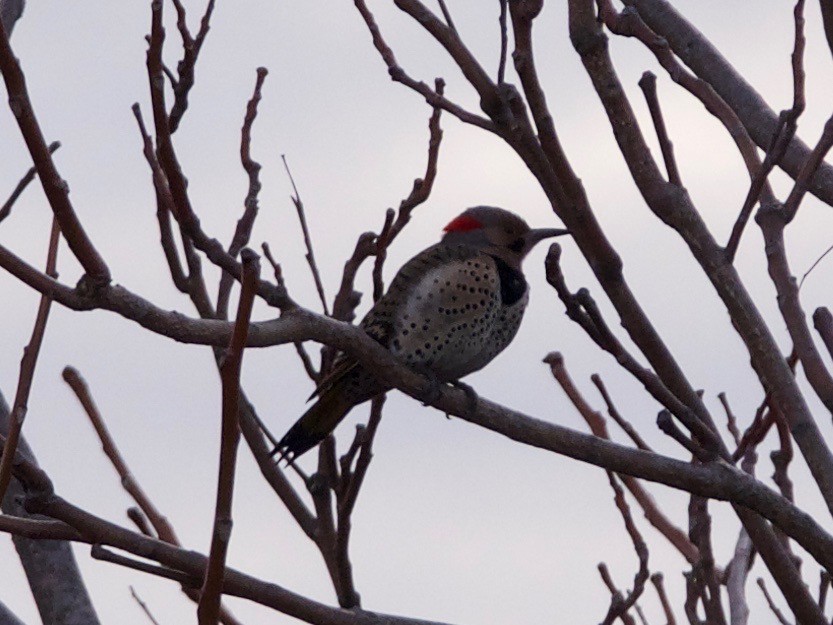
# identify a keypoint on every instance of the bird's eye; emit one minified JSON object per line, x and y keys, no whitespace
{"x":517,"y":245}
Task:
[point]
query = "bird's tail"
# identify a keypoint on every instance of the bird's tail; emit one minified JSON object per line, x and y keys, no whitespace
{"x":315,"y":424}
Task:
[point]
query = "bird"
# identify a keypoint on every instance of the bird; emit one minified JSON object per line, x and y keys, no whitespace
{"x":448,"y":312}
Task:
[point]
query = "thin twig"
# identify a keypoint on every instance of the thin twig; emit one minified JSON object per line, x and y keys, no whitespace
{"x":310,"y":255}
{"x":666,"y":424}
{"x":813,"y":266}
{"x":98,"y":552}
{"x":778,"y":614}
{"x":398,"y":74}
{"x":504,"y":43}
{"x":648,"y":84}
{"x":619,"y":608}
{"x":731,"y":420}
{"x":55,"y":187}
{"x":616,"y":415}
{"x":808,"y":170}
{"x":656,"y":580}
{"x":616,"y":599}
{"x":164,"y":530}
{"x":27,"y":366}
{"x":243,"y":231}
{"x":447,"y":15}
{"x":781,"y":139}
{"x":191,"y":47}
{"x":28,"y":177}
{"x":142,"y":605}
{"x":597,"y":425}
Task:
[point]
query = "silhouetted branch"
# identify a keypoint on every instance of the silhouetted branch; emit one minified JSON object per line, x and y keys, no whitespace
{"x":27,"y":367}
{"x":310,"y":256}
{"x":616,"y":599}
{"x":599,"y":428}
{"x":771,"y":603}
{"x":617,"y":417}
{"x":243,"y":231}
{"x":28,"y":177}
{"x":191,"y":47}
{"x":209,"y":605}
{"x":55,"y":187}
{"x":784,"y":133}
{"x":617,"y":608}
{"x":656,"y":580}
{"x":648,"y":84}
{"x":143,"y":606}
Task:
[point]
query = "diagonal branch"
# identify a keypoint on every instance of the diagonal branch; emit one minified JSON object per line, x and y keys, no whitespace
{"x":28,"y":177}
{"x":55,"y":188}
{"x":27,"y":368}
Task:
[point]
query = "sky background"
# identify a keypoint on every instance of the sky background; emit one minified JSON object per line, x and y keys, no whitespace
{"x":454,"y":523}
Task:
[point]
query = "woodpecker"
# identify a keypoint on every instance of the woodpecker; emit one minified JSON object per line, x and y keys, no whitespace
{"x":449,"y":311}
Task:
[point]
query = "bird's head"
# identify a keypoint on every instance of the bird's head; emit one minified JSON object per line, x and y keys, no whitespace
{"x":497,"y":232}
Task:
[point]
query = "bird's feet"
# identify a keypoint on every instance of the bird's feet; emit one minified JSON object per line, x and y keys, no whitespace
{"x":471,"y":396}
{"x":431,"y":392}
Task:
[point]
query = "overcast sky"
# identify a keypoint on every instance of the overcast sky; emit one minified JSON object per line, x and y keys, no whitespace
{"x":454,"y":523}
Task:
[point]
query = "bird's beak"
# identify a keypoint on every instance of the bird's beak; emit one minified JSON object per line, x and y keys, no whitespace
{"x":537,"y":235}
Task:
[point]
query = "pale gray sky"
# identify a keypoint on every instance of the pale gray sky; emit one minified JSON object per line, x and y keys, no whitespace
{"x":454,"y":523}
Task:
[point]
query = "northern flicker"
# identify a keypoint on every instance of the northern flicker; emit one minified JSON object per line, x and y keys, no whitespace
{"x":449,"y":311}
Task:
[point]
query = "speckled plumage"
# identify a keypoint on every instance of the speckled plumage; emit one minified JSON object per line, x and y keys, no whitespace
{"x":450,"y":310}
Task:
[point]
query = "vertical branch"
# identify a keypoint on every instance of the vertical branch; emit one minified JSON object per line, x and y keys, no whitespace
{"x":191,"y":47}
{"x":656,"y":580}
{"x":246,"y":222}
{"x":504,"y":43}
{"x":310,"y":256}
{"x":209,"y":605}
{"x":27,"y":367}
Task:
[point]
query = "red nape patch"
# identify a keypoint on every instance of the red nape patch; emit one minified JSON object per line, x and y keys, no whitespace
{"x":463,"y":223}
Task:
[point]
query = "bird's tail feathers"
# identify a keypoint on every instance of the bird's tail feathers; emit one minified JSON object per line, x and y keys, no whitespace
{"x":315,"y":424}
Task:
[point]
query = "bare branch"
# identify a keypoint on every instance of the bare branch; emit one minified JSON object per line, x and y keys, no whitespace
{"x":208,"y":610}
{"x":731,"y":420}
{"x":27,"y":367}
{"x":143,"y":606}
{"x":617,"y":417}
{"x":771,"y":603}
{"x":823,"y":322}
{"x":639,"y":546}
{"x":243,"y":231}
{"x":808,"y":170}
{"x":648,"y":84}
{"x":784,"y":133}
{"x":656,"y":580}
{"x":191,"y":47}
{"x":597,"y":425}
{"x":28,"y":177}
{"x":398,"y":74}
{"x":164,"y":530}
{"x":310,"y":256}
{"x":55,"y":188}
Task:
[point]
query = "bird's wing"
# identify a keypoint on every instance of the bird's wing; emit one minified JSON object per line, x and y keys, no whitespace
{"x":379,"y":321}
